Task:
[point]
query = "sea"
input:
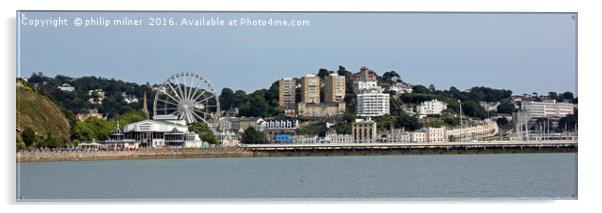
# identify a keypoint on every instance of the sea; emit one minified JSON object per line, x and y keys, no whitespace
{"x":405,"y":177}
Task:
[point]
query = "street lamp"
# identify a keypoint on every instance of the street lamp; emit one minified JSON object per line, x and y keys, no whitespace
{"x":461,"y":121}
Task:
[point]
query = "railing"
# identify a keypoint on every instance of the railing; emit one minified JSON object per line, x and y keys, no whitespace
{"x":482,"y":144}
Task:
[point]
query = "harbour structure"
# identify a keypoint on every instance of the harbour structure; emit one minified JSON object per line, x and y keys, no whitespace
{"x":401,"y":148}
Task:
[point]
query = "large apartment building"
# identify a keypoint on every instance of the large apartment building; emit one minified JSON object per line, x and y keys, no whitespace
{"x":334,"y":88}
{"x":371,"y":101}
{"x":372,"y":104}
{"x":287,"y":95}
{"x":310,"y":89}
{"x":334,"y":92}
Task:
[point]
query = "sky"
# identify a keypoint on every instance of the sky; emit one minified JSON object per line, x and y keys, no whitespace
{"x":522,"y":52}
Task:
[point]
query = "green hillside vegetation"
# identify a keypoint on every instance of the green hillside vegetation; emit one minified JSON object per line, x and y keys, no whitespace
{"x":94,"y":128}
{"x":41,"y":122}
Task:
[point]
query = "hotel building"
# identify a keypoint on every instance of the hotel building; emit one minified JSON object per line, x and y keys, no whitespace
{"x":547,"y":108}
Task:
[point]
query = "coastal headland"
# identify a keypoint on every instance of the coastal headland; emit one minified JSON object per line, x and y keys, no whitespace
{"x":298,"y":150}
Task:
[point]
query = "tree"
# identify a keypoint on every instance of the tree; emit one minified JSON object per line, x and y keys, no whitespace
{"x":29,"y":137}
{"x":92,"y":129}
{"x":506,"y":108}
{"x":323,"y":73}
{"x":569,"y":122}
{"x":252,"y":136}
{"x":240,"y":97}
{"x":553,"y":95}
{"x":502,"y":122}
{"x":128,"y":118}
{"x":204,"y":132}
{"x":567,"y":96}
{"x":342,"y":128}
{"x":51,"y":142}
{"x":343,"y":71}
{"x":472,"y":108}
{"x":227,"y":98}
{"x":420,"y":89}
{"x":432,"y":88}
{"x":408,"y":122}
{"x":452,"y":121}
{"x":391,"y":77}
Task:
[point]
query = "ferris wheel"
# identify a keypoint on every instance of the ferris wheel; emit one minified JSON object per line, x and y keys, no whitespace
{"x":187,"y":96}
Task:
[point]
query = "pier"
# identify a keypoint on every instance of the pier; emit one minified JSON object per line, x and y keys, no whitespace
{"x":411,"y":148}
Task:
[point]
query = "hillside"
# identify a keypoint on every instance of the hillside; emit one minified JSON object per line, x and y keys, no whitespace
{"x":40,"y":114}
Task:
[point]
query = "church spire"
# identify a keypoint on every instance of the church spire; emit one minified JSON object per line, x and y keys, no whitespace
{"x":145,"y":107}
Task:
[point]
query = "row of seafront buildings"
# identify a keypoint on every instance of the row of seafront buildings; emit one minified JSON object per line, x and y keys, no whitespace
{"x":362,"y":131}
{"x":365,"y":131}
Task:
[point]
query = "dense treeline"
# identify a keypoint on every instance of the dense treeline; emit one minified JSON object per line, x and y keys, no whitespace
{"x":77,"y":101}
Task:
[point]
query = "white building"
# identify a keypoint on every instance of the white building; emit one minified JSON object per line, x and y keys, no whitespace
{"x":229,"y":138}
{"x":305,"y":139}
{"x":363,"y":86}
{"x":333,"y":137}
{"x":432,"y":107}
{"x":398,"y":136}
{"x":279,"y":124}
{"x":96,"y":96}
{"x":473,"y":131}
{"x":129,"y":98}
{"x":162,"y":131}
{"x":91,"y":113}
{"x":66,"y":87}
{"x":418,"y":136}
{"x":547,"y":108}
{"x":401,"y":88}
{"x":434,"y":135}
{"x":489,"y":106}
{"x":373,"y":104}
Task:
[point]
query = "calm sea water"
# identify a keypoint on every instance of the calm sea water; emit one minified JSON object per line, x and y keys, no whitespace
{"x":540,"y":176}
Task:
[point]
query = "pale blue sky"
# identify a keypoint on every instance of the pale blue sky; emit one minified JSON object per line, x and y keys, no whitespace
{"x":521,"y":52}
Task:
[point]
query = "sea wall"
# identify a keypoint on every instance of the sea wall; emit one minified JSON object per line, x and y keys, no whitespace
{"x":41,"y":156}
